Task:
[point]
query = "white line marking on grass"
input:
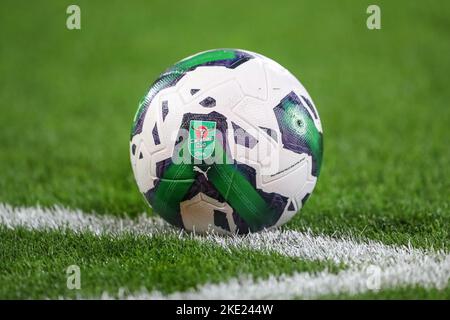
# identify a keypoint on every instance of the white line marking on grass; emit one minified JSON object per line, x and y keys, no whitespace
{"x":399,"y":265}
{"x":308,"y":285}
{"x":58,"y":218}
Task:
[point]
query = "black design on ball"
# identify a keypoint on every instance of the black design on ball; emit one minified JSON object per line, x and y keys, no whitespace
{"x":242,"y":137}
{"x":165,"y":109}
{"x":305,"y":198}
{"x":155,"y":135}
{"x":291,"y":206}
{"x":271,"y":133}
{"x":220,"y":220}
{"x":208,"y":102}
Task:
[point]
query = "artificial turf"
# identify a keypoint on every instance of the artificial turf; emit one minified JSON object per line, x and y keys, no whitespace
{"x":68,"y":98}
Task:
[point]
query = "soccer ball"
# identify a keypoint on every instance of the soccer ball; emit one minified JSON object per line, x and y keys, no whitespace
{"x":226,"y":140}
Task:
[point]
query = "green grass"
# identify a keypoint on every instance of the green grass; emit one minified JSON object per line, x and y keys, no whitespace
{"x":68,"y":99}
{"x":34,"y":264}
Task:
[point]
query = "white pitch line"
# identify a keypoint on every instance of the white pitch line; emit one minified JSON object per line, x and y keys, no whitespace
{"x":309,"y":285}
{"x":58,"y":218}
{"x":291,"y":243}
{"x":399,"y":265}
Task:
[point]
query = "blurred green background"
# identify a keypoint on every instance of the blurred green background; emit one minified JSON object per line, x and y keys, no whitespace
{"x":68,"y":97}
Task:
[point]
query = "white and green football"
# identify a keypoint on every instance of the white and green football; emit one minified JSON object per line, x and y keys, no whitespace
{"x":226,"y":140}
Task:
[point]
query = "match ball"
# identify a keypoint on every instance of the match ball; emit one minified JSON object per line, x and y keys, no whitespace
{"x":227,"y":141}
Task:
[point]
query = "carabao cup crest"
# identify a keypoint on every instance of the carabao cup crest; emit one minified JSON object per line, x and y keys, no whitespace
{"x":202,"y":136}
